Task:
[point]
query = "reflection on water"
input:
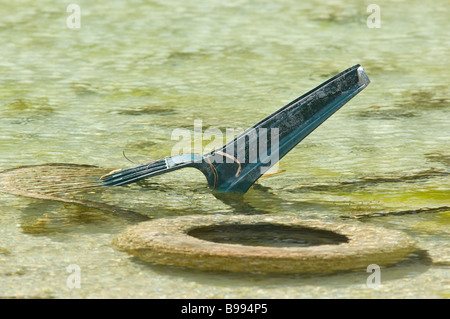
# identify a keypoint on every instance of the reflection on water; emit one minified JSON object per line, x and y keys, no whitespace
{"x":136,"y":71}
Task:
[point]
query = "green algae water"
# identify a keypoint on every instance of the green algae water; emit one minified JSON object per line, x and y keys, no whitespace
{"x":133,"y":72}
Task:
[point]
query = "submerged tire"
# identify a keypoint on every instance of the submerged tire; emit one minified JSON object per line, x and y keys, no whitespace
{"x":262,"y":244}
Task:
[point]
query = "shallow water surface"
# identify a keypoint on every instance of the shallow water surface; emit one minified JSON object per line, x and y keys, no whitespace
{"x":136,"y":71}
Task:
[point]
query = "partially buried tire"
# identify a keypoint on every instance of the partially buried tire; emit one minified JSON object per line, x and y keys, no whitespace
{"x":264,"y":244}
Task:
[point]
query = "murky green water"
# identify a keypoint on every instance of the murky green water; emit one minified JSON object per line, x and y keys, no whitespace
{"x":136,"y":70}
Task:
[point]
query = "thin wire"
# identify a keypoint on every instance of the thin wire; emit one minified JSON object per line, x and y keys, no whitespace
{"x":233,"y":158}
{"x":123,"y":152}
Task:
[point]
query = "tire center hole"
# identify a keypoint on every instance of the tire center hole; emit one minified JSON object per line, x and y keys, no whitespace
{"x":266,"y":234}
